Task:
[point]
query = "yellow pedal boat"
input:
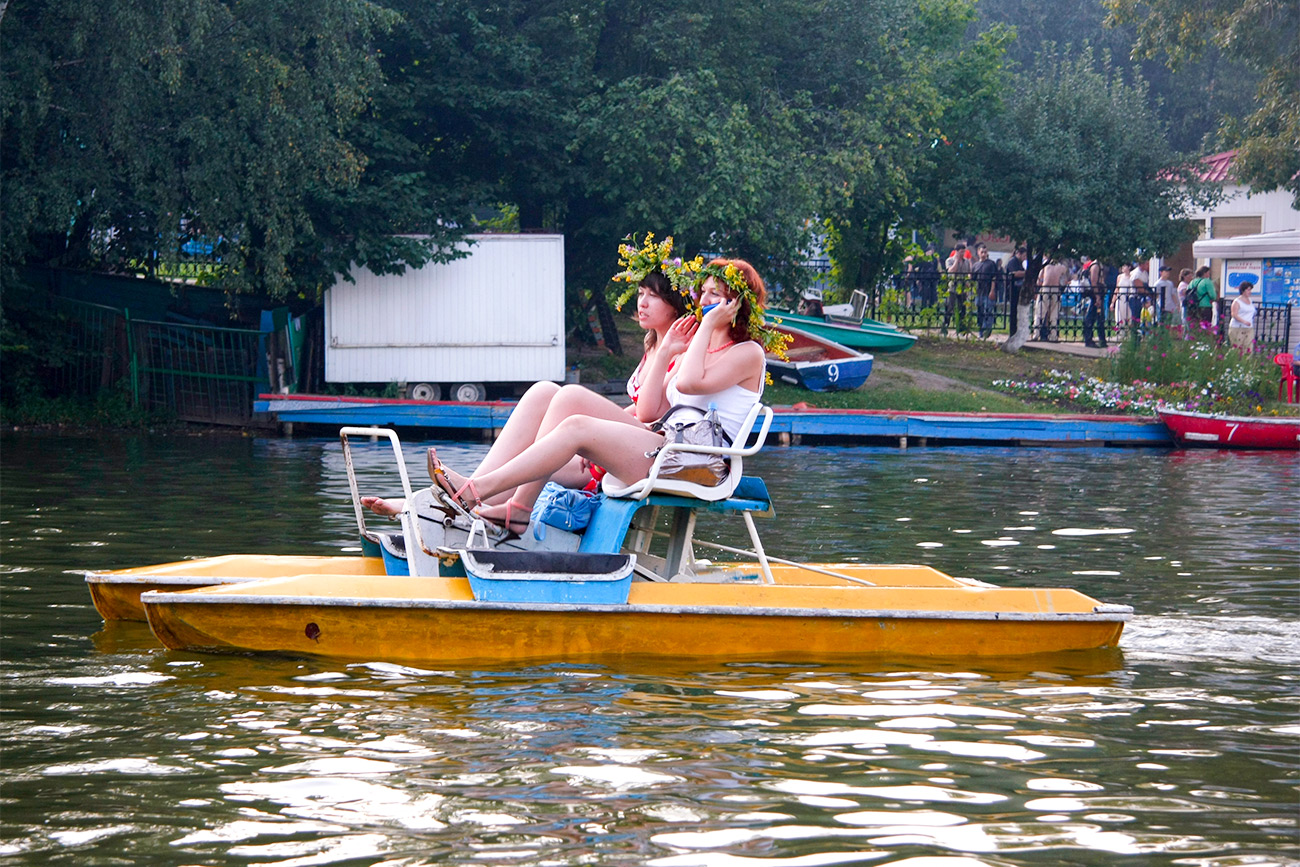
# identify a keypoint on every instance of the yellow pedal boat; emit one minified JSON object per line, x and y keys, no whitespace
{"x":433,"y":601}
{"x":911,"y":611}
{"x":116,"y":593}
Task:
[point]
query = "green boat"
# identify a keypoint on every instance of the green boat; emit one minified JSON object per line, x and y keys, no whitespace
{"x":876,"y":337}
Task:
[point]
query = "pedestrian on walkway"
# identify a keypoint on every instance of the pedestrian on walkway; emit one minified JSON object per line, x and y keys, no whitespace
{"x":986,"y":273}
{"x":1094,"y":313}
{"x":1202,"y":293}
{"x":1241,"y":324}
{"x":1123,"y":292}
{"x":958,"y":284}
{"x":1051,"y":283}
{"x":1168,"y":300}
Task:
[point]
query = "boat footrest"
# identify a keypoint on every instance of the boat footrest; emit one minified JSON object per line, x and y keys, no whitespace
{"x":392,"y":547}
{"x":564,"y":577}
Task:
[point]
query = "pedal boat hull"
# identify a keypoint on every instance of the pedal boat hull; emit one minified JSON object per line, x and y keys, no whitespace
{"x":116,"y":593}
{"x":913,"y":611}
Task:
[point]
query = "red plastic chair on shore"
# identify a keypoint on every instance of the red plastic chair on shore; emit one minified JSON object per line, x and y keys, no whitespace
{"x":1287,"y":386}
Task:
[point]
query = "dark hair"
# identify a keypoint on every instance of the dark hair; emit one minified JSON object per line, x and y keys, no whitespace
{"x":1202,"y":271}
{"x":657,"y":283}
{"x":740,"y":328}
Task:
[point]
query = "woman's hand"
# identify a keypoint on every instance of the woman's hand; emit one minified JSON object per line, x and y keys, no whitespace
{"x":679,"y":335}
{"x":722,"y":316}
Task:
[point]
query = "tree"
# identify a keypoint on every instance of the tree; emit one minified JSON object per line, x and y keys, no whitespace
{"x":1095,"y":175}
{"x":1190,"y":102}
{"x":1263,"y":34}
{"x":893,"y":145}
{"x":130,"y":128}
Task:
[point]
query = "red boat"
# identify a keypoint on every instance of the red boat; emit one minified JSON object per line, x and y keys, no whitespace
{"x":1231,"y":432}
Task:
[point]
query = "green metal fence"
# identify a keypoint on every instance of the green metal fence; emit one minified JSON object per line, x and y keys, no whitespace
{"x":95,"y":340}
{"x":202,"y":373}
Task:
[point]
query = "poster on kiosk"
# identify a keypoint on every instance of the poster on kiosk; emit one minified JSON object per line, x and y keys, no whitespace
{"x":1238,"y":271}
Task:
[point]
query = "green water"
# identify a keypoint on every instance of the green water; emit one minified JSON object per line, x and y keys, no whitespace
{"x":1181,"y":748}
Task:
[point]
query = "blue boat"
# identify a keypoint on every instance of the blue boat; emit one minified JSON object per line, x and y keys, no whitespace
{"x":818,"y":363}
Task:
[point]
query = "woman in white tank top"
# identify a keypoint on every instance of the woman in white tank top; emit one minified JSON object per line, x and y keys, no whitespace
{"x":1241,"y":327}
{"x":718,"y":360}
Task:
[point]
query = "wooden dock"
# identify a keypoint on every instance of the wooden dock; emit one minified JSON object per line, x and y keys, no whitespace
{"x":790,"y":427}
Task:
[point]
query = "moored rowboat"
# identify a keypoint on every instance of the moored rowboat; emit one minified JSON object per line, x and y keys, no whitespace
{"x":1227,"y":431}
{"x":868,"y":334}
{"x":818,"y":363}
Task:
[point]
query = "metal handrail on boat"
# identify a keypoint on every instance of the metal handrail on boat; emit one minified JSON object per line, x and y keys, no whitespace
{"x":770,"y":559}
{"x":374,"y":433}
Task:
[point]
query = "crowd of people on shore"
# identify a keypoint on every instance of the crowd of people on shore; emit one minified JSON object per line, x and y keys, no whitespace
{"x":1108,"y":299}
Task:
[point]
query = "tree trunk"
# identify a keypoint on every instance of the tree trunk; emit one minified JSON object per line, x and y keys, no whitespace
{"x":1025,"y":304}
{"x":1024,"y":322}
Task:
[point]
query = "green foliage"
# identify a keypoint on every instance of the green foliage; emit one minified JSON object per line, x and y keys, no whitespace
{"x":1264,"y":35}
{"x":890,"y":149}
{"x":130,"y":128}
{"x":1087,"y":180}
{"x":110,"y":408}
{"x":1188,"y":102}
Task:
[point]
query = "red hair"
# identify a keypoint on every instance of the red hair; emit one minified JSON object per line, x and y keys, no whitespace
{"x":740,"y":328}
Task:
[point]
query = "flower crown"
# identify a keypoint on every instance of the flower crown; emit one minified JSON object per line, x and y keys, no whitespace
{"x":640,"y":261}
{"x":762,"y":333}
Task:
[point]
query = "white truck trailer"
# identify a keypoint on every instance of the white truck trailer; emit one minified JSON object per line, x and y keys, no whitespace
{"x":495,"y":316}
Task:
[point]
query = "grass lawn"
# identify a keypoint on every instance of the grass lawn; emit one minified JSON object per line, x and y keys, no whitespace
{"x":935,"y":375}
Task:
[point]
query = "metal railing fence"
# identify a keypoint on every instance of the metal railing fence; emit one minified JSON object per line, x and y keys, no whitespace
{"x":202,"y":373}
{"x":1058,"y":313}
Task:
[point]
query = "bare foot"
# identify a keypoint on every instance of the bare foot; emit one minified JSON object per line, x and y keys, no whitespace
{"x":380,"y":506}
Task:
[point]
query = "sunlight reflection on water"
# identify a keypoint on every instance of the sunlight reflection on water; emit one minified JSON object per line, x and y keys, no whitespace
{"x":1180,"y":750}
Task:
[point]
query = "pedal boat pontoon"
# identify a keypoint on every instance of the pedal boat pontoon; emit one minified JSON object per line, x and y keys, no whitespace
{"x":431,"y":606}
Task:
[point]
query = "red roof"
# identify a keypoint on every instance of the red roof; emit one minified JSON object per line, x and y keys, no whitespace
{"x":1217,"y":168}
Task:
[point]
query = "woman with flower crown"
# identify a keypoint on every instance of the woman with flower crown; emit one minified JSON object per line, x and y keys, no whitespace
{"x":659,"y":303}
{"x":720,"y":360}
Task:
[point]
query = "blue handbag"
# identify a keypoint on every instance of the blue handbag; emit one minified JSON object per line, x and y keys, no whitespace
{"x":564,"y":508}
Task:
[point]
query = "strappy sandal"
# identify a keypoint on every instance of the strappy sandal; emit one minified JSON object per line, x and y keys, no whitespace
{"x":449,"y":494}
{"x":507,"y":527}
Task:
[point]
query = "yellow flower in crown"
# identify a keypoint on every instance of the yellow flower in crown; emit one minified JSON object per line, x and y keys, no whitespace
{"x":640,"y":259}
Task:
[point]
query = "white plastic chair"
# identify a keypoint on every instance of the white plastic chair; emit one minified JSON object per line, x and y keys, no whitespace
{"x":615,"y":487}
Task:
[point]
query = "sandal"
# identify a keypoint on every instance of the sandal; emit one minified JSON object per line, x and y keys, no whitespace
{"x":451,"y":493}
{"x":508,"y":525}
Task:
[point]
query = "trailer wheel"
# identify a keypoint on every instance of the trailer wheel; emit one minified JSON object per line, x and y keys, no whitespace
{"x":468,"y":392}
{"x":424,"y":391}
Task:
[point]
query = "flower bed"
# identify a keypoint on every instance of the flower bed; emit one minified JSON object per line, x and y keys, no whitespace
{"x":1165,"y":368}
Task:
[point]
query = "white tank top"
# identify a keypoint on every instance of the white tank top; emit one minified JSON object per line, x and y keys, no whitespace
{"x":733,"y":403}
{"x":1246,"y":311}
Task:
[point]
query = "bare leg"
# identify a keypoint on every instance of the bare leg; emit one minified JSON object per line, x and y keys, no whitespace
{"x":618,"y":444}
{"x":538,"y":411}
{"x":576,"y":400}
